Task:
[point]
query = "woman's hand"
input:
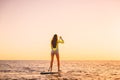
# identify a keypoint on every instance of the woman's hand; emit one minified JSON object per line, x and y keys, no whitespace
{"x":60,"y":37}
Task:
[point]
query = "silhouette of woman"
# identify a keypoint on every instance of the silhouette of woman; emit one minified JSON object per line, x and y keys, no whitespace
{"x":54,"y":47}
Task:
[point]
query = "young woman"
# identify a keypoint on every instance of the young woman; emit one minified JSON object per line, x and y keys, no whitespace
{"x":55,"y":51}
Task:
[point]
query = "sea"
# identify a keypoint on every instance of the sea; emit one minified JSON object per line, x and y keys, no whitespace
{"x":70,"y":70}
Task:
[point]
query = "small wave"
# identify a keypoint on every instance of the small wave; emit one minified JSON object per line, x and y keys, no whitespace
{"x":28,"y":69}
{"x":5,"y":66}
{"x":5,"y":70}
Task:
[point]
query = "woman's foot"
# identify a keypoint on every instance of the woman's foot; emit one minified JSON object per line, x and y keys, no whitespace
{"x":59,"y":70}
{"x":49,"y":70}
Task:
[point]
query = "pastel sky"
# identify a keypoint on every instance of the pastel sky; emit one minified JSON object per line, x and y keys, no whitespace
{"x":90,"y":29}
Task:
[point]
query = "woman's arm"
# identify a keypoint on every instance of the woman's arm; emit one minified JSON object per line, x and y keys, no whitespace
{"x":60,"y":40}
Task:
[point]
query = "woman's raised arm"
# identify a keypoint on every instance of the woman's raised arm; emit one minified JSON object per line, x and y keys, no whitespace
{"x":60,"y":40}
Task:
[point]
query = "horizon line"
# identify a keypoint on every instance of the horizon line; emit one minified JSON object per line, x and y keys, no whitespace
{"x":55,"y":60}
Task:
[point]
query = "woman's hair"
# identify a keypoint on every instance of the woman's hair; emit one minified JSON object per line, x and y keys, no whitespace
{"x":54,"y":41}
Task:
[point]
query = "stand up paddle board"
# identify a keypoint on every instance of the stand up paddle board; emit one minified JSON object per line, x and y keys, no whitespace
{"x":49,"y":72}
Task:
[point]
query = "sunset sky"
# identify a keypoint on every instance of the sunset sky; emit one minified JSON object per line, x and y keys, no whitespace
{"x":90,"y":29}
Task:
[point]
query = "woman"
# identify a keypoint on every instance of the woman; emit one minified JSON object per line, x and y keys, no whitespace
{"x":54,"y":47}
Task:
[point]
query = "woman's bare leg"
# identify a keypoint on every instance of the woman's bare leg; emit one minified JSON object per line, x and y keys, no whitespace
{"x":58,"y":61}
{"x":51,"y":63}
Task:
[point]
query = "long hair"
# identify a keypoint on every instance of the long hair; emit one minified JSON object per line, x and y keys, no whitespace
{"x":54,"y":41}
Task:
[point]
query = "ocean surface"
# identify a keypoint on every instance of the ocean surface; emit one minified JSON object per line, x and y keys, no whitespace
{"x":71,"y":70}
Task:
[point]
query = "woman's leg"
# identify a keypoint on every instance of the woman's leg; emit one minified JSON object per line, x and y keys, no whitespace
{"x":51,"y":63}
{"x":58,"y":61}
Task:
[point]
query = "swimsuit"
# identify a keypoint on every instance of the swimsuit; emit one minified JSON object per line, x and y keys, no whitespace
{"x":55,"y":50}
